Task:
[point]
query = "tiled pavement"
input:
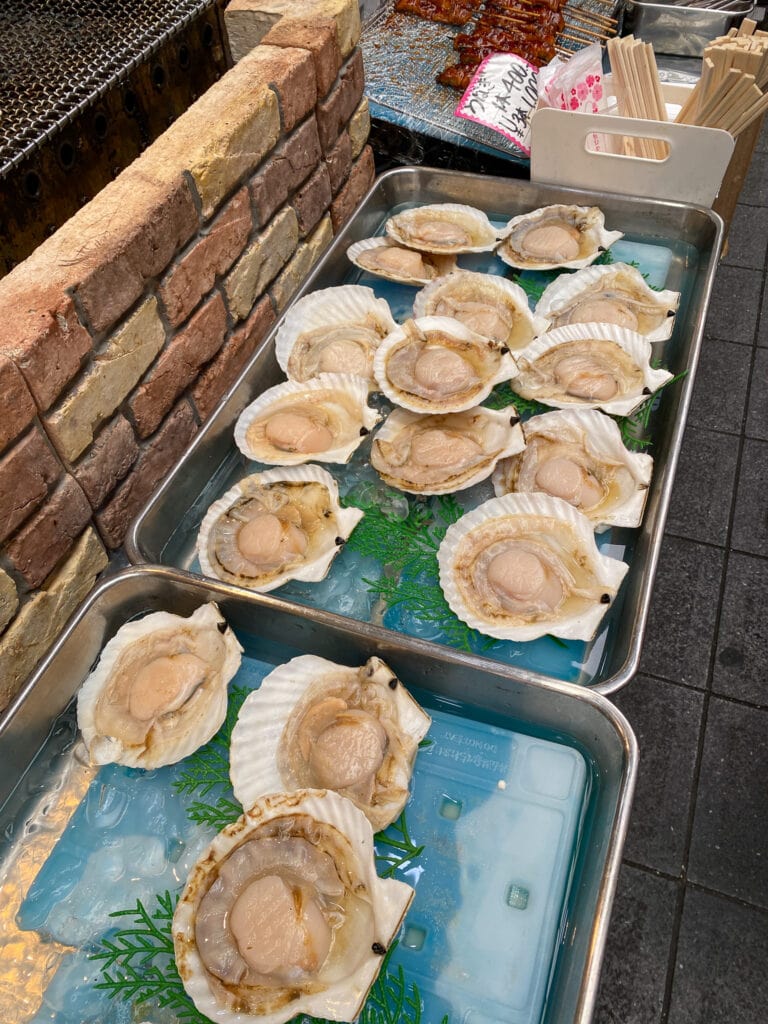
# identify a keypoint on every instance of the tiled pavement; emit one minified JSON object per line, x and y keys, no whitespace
{"x":689,"y":934}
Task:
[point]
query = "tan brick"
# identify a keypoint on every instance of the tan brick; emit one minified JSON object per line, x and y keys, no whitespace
{"x":27,"y":473}
{"x":359,"y":128}
{"x":160,"y":455}
{"x":215,"y":252}
{"x":217,"y":378}
{"x":312,"y":200}
{"x":284,"y":170}
{"x":296,"y":272}
{"x":49,"y":535}
{"x":261,"y":262}
{"x":113,"y":375}
{"x":18,"y":405}
{"x":41,"y":619}
{"x":105,"y":464}
{"x":291,"y":73}
{"x":316,"y":34}
{"x":337,"y":108}
{"x":360,"y":180}
{"x":248,"y":21}
{"x":178,"y":365}
{"x":339,"y":162}
{"x":9,"y":599}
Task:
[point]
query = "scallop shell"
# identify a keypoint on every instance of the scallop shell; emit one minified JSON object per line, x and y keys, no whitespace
{"x":121,"y":684}
{"x":329,"y":414}
{"x":265,"y":754}
{"x":591,"y":441}
{"x":334,"y":330}
{"x":491,"y":306}
{"x":406,"y":266}
{"x":638,"y":307}
{"x":302,"y":497}
{"x":587,"y":221}
{"x":556,"y":535}
{"x":482,"y":436}
{"x":446,"y":228}
{"x":323,"y":847}
{"x":449,"y":355}
{"x":623,"y":356}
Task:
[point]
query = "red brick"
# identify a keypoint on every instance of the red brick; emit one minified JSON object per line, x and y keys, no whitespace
{"x":217,"y":378}
{"x":339,"y":162}
{"x":18,"y":405}
{"x":27,"y":473}
{"x":178,"y":365}
{"x":49,"y":535}
{"x":113,"y":453}
{"x":291,"y":74}
{"x":318,"y":35}
{"x":337,"y":108}
{"x":313,"y":199}
{"x":195,"y":274}
{"x":285,"y":169}
{"x":157,"y":459}
{"x":360,"y":180}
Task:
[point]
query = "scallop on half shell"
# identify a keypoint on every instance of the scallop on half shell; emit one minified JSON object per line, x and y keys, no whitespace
{"x":315,"y":724}
{"x":522,"y":566}
{"x":578,"y":455}
{"x":445,"y":228}
{"x":595,"y":366}
{"x":323,"y":420}
{"x":284,"y":524}
{"x":384,"y":258}
{"x":556,"y":236}
{"x":487,"y":304}
{"x":614,"y":294}
{"x":159,"y":690}
{"x":284,"y":914}
{"x":424,"y":454}
{"x":435,"y":365}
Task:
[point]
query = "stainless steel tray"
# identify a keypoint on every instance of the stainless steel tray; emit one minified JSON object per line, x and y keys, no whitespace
{"x":46,"y":787}
{"x":676,"y":29}
{"x":687,"y":237}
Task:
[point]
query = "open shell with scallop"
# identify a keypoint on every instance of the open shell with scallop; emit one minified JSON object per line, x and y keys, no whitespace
{"x":595,"y":366}
{"x":614,"y":294}
{"x":424,"y":454}
{"x":315,"y":724}
{"x":384,"y":258}
{"x":284,"y":914}
{"x":487,"y":304}
{"x":159,"y":690}
{"x":436,"y":365}
{"x":443,"y":228}
{"x":524,"y":565}
{"x":323,"y":419}
{"x":578,"y":455}
{"x":276,"y":526}
{"x":334,"y":330}
{"x":556,"y":236}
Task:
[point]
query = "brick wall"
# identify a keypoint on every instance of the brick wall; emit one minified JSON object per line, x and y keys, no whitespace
{"x":120,"y":334}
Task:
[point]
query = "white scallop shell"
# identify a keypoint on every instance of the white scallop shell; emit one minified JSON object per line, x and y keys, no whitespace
{"x":344,"y":392}
{"x":311,"y":571}
{"x":188,"y":729}
{"x":503,"y":361}
{"x":436,"y":264}
{"x":503,"y":435}
{"x":635,"y":345}
{"x":253,"y":766}
{"x":492,"y":288}
{"x":340,"y":1000}
{"x":567,"y":288}
{"x":607,"y":572}
{"x":593,"y":221}
{"x":403,"y":228}
{"x":601,"y":436}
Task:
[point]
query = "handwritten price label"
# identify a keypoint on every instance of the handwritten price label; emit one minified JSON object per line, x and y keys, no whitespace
{"x":502,"y":96}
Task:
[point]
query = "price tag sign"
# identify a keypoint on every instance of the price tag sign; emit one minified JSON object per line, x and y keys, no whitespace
{"x":502,"y":96}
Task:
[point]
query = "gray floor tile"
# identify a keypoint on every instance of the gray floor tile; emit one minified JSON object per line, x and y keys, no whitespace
{"x":721,"y":386}
{"x":729,"y":844}
{"x":750,"y":521}
{"x":720,"y":975}
{"x":742,"y":643}
{"x":748,"y":237}
{"x":681,"y":621}
{"x":762,"y":334}
{"x":700,"y":508}
{"x":666,"y":720}
{"x":734,"y":305}
{"x":637,"y":954}
{"x":755,"y":190}
{"x":757,"y":410}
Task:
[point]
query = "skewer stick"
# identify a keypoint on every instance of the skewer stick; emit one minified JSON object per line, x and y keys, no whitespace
{"x":733,"y":115}
{"x":588,"y":16}
{"x":750,"y":114}
{"x":586,"y":32}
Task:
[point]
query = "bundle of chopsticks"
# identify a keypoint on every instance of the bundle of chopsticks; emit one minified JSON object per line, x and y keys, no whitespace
{"x":638,"y":91}
{"x":734,"y":76}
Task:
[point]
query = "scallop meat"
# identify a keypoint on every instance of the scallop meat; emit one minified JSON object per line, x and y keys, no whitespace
{"x":382,"y":257}
{"x":443,"y":228}
{"x":556,"y":236}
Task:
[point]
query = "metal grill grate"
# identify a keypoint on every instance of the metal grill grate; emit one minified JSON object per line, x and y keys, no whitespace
{"x":58,"y":56}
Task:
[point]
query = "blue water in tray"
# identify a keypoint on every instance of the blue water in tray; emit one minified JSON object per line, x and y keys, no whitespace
{"x":498,"y":814}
